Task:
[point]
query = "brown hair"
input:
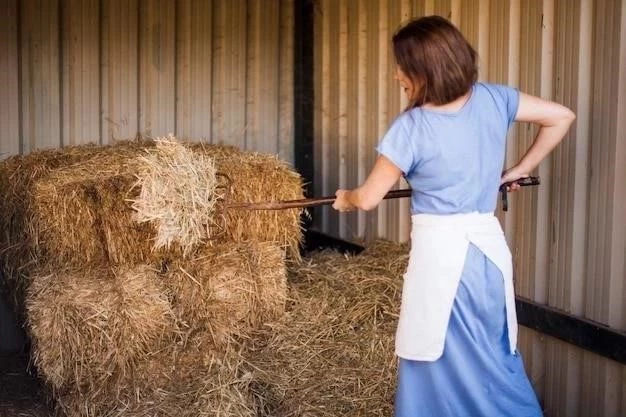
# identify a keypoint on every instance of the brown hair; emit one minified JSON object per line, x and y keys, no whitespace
{"x":433,"y":53}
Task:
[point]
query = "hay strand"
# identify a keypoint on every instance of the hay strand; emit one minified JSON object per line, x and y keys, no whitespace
{"x":179,"y":191}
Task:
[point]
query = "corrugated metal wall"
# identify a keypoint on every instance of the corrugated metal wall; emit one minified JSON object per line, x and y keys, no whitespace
{"x":77,"y":71}
{"x":568,"y":235}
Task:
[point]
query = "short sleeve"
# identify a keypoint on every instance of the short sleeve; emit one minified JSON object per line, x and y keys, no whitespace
{"x":511,"y":98}
{"x":397,"y":146}
{"x":506,"y":100}
{"x":512,"y":103}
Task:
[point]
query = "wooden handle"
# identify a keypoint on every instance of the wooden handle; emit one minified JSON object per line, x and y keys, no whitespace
{"x":308,"y":202}
{"x":321,"y":201}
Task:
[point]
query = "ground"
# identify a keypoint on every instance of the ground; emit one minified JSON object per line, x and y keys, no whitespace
{"x":20,"y":393}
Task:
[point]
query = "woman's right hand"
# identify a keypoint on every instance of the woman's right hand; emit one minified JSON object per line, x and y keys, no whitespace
{"x":366,"y":197}
{"x":342,"y":201}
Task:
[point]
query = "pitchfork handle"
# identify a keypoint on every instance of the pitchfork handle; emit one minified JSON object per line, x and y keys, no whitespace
{"x":309,"y":202}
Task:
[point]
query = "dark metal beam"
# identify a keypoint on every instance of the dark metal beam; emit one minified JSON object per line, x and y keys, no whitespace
{"x":304,"y":95}
{"x":583,"y":333}
{"x":303,"y":90}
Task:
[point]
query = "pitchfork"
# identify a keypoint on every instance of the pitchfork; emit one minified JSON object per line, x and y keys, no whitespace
{"x":321,"y":201}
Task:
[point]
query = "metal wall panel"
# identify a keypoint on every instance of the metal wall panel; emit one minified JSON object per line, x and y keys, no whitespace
{"x":40,"y":75}
{"x":194,"y":68}
{"x":285,"y":84}
{"x":120,"y":70}
{"x":263,"y":79}
{"x":10,"y":98}
{"x":229,"y":78}
{"x":355,"y":102}
{"x":79,"y":71}
{"x":157,"y":66}
{"x":568,"y":235}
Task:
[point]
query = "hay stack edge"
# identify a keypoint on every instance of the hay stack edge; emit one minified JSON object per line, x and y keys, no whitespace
{"x":144,"y":295}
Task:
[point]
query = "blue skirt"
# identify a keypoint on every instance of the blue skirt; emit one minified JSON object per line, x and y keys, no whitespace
{"x":476,"y":376}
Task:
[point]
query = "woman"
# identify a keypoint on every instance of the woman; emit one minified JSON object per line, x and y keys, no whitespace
{"x":456,"y":336}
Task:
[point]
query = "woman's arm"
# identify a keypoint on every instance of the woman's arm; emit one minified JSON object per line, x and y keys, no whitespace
{"x":554,"y":121}
{"x":366,"y":197}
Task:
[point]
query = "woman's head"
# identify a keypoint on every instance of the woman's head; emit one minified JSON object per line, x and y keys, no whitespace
{"x":435,"y":59}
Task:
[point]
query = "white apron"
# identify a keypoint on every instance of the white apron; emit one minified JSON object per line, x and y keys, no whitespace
{"x":439,"y":245}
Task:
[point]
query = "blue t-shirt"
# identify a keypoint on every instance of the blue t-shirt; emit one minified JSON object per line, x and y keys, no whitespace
{"x":453,"y":161}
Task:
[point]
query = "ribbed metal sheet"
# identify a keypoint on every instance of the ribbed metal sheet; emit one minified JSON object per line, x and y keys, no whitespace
{"x":9,"y":104}
{"x":568,"y":235}
{"x":120,"y":86}
{"x":78,"y":71}
{"x":39,"y":61}
{"x":157,"y":67}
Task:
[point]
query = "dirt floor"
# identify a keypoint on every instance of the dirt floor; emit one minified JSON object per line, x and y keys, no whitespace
{"x":20,"y":392}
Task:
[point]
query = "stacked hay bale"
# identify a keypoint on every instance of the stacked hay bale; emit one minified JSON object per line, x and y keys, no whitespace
{"x":124,"y":320}
{"x":18,"y":176}
{"x":332,"y":354}
{"x":81,"y":213}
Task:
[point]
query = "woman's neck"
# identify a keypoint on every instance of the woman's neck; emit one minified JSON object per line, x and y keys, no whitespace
{"x":454,"y":105}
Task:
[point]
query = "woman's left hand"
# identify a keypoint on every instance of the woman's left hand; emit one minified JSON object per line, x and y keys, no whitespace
{"x":342,"y":202}
{"x":510,"y":175}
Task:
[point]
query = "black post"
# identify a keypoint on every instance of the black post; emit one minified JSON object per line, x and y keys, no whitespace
{"x":303,"y":93}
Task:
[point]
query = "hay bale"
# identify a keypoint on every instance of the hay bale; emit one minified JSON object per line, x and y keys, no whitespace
{"x":19,"y":245}
{"x":225,"y":291}
{"x":89,"y":325}
{"x":181,"y":382}
{"x":17,"y":175}
{"x":97,"y":316}
{"x":96,"y":330}
{"x":82,"y":214}
{"x":333,"y":353}
{"x":260,"y":178}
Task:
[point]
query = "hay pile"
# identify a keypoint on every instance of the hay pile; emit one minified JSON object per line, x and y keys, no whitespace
{"x":123,"y":322}
{"x":333,"y":352}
